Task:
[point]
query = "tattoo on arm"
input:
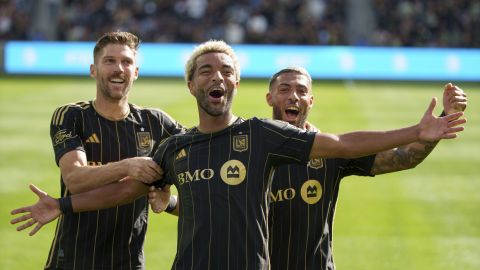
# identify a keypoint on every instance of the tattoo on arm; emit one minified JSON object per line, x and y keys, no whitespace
{"x":402,"y":158}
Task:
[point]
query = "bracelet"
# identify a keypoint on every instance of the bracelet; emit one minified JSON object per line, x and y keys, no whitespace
{"x":172,"y":204}
{"x":443,"y":114}
{"x":65,"y":205}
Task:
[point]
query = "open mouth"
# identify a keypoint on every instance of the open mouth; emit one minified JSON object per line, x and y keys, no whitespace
{"x":216,"y":94}
{"x":117,"y":80}
{"x":292,"y":112}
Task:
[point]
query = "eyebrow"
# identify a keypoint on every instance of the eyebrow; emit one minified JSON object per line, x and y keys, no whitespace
{"x":291,"y":85}
{"x":114,"y":57}
{"x":211,"y":66}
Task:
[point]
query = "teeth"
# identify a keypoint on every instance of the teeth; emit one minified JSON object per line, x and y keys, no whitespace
{"x":116,"y":80}
{"x":292,"y":108}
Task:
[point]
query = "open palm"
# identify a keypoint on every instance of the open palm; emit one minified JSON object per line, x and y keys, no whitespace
{"x":41,"y":213}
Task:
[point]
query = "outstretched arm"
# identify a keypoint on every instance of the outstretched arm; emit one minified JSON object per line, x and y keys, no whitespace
{"x":362,"y":143}
{"x":48,"y":208}
{"x":409,"y":156}
{"x":41,"y":213}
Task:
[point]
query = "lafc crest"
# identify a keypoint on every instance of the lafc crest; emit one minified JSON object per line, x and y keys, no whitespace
{"x":315,"y":163}
{"x":144,"y":140}
{"x":240,"y":143}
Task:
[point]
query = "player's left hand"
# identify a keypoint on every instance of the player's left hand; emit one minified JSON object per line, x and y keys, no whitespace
{"x":454,"y":99}
{"x":431,"y":128}
{"x":41,"y":213}
{"x":158,"y":198}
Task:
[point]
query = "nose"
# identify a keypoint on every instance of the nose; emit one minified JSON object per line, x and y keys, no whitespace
{"x":119,"y":67}
{"x":293,"y":96}
{"x":217,"y":76}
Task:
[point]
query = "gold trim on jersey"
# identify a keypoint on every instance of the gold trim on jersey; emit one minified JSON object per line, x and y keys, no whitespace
{"x":109,"y":117}
{"x":59,"y":113}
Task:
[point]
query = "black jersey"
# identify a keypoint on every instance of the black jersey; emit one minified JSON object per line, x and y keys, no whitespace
{"x":222,"y":180}
{"x":303,"y":199}
{"x":110,"y":238}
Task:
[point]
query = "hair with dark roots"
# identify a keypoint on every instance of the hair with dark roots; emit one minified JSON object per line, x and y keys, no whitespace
{"x":211,"y":46}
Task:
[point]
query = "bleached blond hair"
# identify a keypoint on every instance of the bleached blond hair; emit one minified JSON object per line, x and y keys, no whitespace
{"x":211,"y":46}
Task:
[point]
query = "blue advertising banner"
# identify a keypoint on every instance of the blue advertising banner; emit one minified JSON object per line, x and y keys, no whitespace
{"x":260,"y":61}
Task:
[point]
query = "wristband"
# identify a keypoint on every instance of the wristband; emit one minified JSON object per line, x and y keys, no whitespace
{"x":443,"y":114}
{"x":172,"y":204}
{"x":65,"y":205}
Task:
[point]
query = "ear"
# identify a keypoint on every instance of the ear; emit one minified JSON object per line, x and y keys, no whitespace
{"x":190,"y":88}
{"x":269,"y":99}
{"x":92,"y":71}
{"x":136,"y":74}
{"x":310,"y":101}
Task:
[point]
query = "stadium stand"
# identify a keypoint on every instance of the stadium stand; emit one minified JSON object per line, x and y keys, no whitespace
{"x":429,"y":23}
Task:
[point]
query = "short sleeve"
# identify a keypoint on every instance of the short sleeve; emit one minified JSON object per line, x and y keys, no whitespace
{"x":160,"y":156}
{"x":286,"y":143}
{"x":64,"y":130}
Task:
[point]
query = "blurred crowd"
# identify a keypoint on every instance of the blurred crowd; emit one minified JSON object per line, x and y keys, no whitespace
{"x":447,"y":23}
{"x":427,"y":23}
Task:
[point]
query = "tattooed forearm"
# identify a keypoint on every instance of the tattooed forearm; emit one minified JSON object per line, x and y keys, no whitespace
{"x":402,"y":158}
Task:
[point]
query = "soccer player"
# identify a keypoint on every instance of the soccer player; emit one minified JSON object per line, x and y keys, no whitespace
{"x":221,"y":168}
{"x":303,"y":197}
{"x":99,"y":142}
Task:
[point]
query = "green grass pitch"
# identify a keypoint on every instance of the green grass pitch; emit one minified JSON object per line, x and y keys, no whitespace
{"x":425,"y":218}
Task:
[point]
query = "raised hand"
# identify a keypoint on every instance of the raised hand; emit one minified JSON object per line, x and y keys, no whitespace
{"x":454,"y":99}
{"x":433,"y":128}
{"x":41,"y":213}
{"x":159,"y":198}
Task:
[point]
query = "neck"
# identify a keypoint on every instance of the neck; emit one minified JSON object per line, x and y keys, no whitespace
{"x":211,"y":124}
{"x":303,"y":126}
{"x":112,"y":109}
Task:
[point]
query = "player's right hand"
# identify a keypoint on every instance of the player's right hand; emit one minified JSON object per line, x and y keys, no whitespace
{"x":158,"y":198}
{"x":143,"y":169}
{"x":41,"y":213}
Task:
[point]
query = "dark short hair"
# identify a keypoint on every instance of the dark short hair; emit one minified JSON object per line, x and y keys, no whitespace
{"x":123,"y":38}
{"x":298,"y":70}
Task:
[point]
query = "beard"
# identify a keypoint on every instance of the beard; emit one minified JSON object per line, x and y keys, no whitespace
{"x":211,"y":109}
{"x":113,"y":94}
{"x":299,"y":120}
